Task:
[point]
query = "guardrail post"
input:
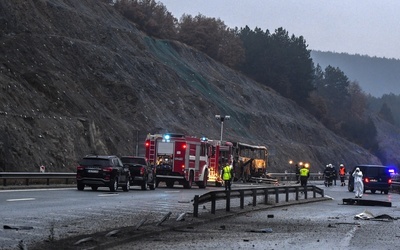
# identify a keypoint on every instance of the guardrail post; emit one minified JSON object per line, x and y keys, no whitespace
{"x":305,"y":192}
{"x":287,"y":193}
{"x":228,"y":200}
{"x":196,"y":206}
{"x":4,"y":182}
{"x":314,"y":192}
{"x":48,"y":181}
{"x":297,"y":193}
{"x":254,"y":197}
{"x":266,"y":196}
{"x":241,"y":199}
{"x":276,"y":195}
{"x":213,"y":203}
{"x":27,"y":182}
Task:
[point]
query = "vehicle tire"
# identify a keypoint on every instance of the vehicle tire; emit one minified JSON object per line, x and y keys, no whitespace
{"x":350,"y":188}
{"x":127,"y":186}
{"x":188,"y":184}
{"x":385,"y":191}
{"x":144,"y":185}
{"x":114,"y":185}
{"x":94,"y":188}
{"x":80,"y":186}
{"x":170,"y":184}
{"x":153,"y":185}
{"x":373,"y":191}
{"x":157,"y":183}
{"x":203,"y":184}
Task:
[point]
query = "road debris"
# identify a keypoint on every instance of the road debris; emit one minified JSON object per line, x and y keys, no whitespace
{"x":367,"y":215}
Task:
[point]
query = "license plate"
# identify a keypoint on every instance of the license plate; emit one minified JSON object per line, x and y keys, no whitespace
{"x":373,"y":180}
{"x":93,"y":171}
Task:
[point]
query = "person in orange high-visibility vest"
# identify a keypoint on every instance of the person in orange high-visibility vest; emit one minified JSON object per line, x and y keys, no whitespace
{"x":304,"y":174}
{"x":227,"y":176}
{"x":342,"y":174}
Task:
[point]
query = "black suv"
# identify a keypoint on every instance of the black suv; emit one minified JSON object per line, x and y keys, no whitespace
{"x":102,"y":171}
{"x":375,"y":177}
{"x":142,"y":173}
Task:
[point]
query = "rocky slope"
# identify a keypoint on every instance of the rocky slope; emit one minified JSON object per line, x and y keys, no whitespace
{"x":77,"y":78}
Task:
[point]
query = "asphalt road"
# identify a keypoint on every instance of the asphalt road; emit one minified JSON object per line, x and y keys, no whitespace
{"x":321,"y":225}
{"x":55,"y":214}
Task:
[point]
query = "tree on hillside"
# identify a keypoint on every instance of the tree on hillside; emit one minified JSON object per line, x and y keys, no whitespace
{"x":150,"y":16}
{"x":212,"y":37}
{"x":357,"y":101}
{"x":278,"y":61}
{"x":386,"y":113}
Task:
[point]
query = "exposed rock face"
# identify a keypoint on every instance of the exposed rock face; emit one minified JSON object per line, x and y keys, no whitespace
{"x":77,"y":78}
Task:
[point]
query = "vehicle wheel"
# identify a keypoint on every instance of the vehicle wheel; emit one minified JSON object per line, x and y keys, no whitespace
{"x":113,"y":185}
{"x":80,"y":186}
{"x":203,"y":184}
{"x":385,"y":191}
{"x":153,"y":185}
{"x":350,"y":188}
{"x":157,"y":183}
{"x":373,"y":191}
{"x":170,"y":184}
{"x":144,"y":185}
{"x":127,"y":186}
{"x":188,"y":184}
{"x":94,"y":188}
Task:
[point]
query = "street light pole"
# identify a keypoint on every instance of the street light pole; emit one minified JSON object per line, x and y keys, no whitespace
{"x":222,"y":118}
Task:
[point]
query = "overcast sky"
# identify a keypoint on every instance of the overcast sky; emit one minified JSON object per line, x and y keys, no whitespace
{"x":365,"y":27}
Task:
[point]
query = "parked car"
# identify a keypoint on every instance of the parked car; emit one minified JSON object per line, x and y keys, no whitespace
{"x":375,"y":178}
{"x":142,"y":173}
{"x":102,"y":171}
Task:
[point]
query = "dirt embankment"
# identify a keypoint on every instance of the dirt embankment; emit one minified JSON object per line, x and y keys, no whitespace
{"x":77,"y":78}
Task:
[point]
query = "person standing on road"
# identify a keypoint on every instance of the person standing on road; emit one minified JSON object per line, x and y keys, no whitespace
{"x":334,"y":174}
{"x":304,"y":174}
{"x":358,"y":183}
{"x":342,"y":174}
{"x":297,"y":174}
{"x":227,"y":176}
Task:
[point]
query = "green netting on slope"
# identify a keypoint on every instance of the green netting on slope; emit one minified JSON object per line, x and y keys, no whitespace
{"x":170,"y":58}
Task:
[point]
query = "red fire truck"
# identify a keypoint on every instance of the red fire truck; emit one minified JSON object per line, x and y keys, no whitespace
{"x":185,"y":159}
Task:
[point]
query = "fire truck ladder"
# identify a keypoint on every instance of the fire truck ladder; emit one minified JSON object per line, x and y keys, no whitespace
{"x":213,"y":166}
{"x":152,"y":151}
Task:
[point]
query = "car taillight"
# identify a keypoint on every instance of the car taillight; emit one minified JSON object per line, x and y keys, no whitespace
{"x":390,"y":181}
{"x":80,"y":168}
{"x":366,"y":180}
{"x":107,"y":169}
{"x":141,"y":171}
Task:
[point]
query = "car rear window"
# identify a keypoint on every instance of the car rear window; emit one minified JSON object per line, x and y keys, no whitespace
{"x":140,"y":161}
{"x":95,"y":162}
{"x":376,"y":171}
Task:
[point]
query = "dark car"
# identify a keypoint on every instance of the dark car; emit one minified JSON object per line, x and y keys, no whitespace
{"x":102,"y":171}
{"x":375,"y":178}
{"x":142,"y":173}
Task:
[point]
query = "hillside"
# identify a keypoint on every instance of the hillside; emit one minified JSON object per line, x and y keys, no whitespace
{"x":77,"y":78}
{"x":376,"y":76}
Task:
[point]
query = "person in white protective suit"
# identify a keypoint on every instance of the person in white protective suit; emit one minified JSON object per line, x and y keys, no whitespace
{"x":358,"y":183}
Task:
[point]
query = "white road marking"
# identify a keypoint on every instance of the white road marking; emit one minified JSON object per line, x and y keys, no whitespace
{"x":104,"y":195}
{"x":172,"y":191}
{"x":22,"y":199}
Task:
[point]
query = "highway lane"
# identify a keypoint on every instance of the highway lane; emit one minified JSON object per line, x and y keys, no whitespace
{"x":59,"y":213}
{"x":320,"y":225}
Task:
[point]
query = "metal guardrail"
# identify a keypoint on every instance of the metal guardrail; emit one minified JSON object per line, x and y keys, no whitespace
{"x":29,"y":176}
{"x":213,"y":196}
